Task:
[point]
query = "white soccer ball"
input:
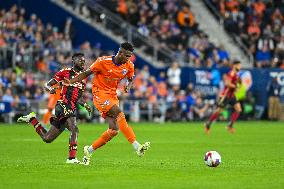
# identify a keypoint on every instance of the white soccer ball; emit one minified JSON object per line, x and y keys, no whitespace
{"x":212,"y":158}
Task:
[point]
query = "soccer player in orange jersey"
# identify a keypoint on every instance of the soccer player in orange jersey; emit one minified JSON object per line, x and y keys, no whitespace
{"x":108,"y":72}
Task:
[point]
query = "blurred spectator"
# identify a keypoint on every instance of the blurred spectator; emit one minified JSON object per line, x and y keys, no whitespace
{"x":174,"y":75}
{"x":263,"y":57}
{"x":257,"y":23}
{"x":171,"y":22}
{"x":200,"y":109}
{"x":174,"y":113}
{"x":8,"y":97}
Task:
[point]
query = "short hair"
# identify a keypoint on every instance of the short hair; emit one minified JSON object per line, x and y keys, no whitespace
{"x":77,"y":55}
{"x":127,"y":46}
{"x":236,"y":62}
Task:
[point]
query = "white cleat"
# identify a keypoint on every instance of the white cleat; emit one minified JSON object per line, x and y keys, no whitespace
{"x":26,"y":118}
{"x":72,"y":161}
{"x":87,"y":156}
{"x":142,"y":149}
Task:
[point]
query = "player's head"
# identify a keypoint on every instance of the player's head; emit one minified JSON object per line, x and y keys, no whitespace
{"x":78,"y":61}
{"x":237,"y":65}
{"x":125,"y":52}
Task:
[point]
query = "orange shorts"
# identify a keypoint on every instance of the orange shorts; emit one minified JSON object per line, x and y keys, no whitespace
{"x":104,"y":102}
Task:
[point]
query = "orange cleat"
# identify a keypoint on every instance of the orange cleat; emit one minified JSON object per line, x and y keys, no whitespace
{"x":231,"y":129}
{"x":207,"y":130}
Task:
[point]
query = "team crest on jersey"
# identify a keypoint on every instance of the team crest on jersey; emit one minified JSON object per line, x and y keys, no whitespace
{"x":124,"y":71}
{"x":106,"y":102}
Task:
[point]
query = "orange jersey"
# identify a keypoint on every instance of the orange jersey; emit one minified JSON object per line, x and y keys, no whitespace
{"x":108,"y":74}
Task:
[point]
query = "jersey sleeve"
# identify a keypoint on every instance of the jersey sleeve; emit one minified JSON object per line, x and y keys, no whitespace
{"x":96,"y":66}
{"x":130,"y":73}
{"x":59,"y":76}
{"x":229,"y":76}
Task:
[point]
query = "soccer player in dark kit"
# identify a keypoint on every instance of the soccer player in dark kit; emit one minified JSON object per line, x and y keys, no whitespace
{"x":228,"y":97}
{"x":65,"y":109}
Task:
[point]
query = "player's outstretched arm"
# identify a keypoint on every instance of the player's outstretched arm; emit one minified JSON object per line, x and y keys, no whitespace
{"x":48,"y":86}
{"x":79,"y":77}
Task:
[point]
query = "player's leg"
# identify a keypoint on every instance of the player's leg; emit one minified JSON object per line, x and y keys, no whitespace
{"x":47,"y":136}
{"x":71,"y":125}
{"x":212,"y":118}
{"x":52,"y":134}
{"x":234,"y":117}
{"x":127,"y":131}
{"x":111,"y":132}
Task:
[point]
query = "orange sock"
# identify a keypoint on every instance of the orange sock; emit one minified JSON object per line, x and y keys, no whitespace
{"x":46,"y":117}
{"x":106,"y":136}
{"x":124,"y":128}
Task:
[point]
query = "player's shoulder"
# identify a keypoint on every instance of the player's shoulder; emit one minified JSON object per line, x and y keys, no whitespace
{"x":64,"y":70}
{"x":104,"y":58}
{"x":130,"y":64}
{"x":230,"y":73}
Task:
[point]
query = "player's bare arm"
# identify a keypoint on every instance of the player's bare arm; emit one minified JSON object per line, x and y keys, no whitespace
{"x":129,"y":84}
{"x":78,"y":78}
{"x":48,"y":86}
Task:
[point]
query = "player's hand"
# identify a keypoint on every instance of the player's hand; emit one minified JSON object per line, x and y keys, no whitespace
{"x":50,"y":89}
{"x":66,"y":82}
{"x":53,"y":90}
{"x":88,"y":108}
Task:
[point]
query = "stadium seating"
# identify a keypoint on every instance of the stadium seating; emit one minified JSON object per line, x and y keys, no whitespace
{"x":259,"y":24}
{"x":173,"y":24}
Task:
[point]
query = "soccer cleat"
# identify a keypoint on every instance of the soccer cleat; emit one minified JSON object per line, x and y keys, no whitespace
{"x":142,"y":149}
{"x":72,"y":161}
{"x":207,"y":130}
{"x":231,"y":129}
{"x":87,"y":156}
{"x":26,"y":118}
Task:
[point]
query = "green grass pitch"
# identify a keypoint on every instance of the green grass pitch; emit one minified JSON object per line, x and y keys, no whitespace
{"x":251,"y":158}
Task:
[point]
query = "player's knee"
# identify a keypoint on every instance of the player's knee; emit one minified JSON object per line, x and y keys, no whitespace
{"x":114,"y":112}
{"x":117,"y":113}
{"x":112,"y":132}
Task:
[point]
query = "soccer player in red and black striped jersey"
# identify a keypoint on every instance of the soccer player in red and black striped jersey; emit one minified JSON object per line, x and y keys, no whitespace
{"x":228,"y":97}
{"x":65,"y":109}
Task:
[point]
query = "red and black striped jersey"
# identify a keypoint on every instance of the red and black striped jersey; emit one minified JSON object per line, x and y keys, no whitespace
{"x":72,"y":93}
{"x":234,"y":78}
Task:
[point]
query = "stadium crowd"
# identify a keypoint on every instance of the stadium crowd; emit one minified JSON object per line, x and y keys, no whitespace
{"x":259,"y":24}
{"x":174,"y":25}
{"x":49,"y":49}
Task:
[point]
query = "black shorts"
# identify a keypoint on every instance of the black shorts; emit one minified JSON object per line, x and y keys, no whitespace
{"x":222,"y":103}
{"x":62,"y":113}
